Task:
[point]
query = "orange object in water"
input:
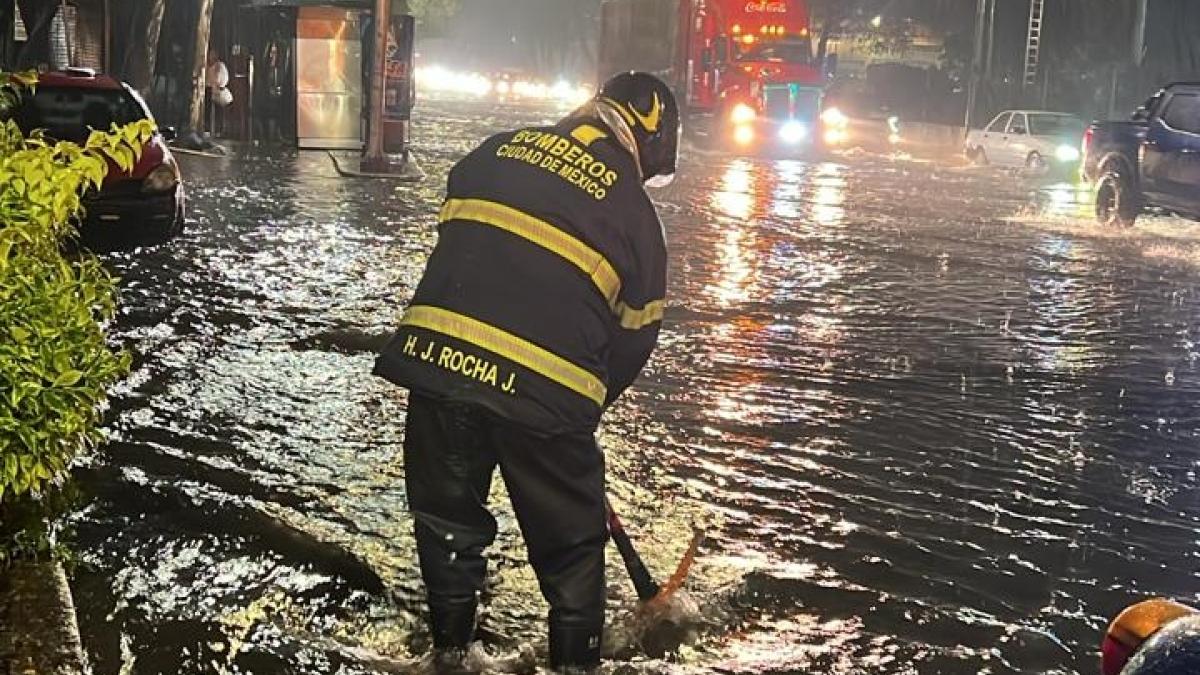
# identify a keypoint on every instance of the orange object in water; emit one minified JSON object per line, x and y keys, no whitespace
{"x":1133,"y":626}
{"x":681,"y":571}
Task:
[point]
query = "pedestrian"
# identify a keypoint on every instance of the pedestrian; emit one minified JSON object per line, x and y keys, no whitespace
{"x":538,"y":307}
{"x":217,"y":94}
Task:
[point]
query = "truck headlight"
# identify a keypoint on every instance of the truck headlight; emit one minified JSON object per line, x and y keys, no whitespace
{"x":836,"y":136}
{"x":743,"y":134}
{"x":163,"y":178}
{"x":793,"y":132}
{"x":1067,"y":153}
{"x":742,"y":114}
{"x":834,"y":118}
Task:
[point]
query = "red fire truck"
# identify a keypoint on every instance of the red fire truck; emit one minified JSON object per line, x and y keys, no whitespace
{"x":746,"y":69}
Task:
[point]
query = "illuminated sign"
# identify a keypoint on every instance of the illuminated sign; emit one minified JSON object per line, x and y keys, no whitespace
{"x":767,"y":6}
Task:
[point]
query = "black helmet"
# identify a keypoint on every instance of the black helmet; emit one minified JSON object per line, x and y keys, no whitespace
{"x":648,"y":106}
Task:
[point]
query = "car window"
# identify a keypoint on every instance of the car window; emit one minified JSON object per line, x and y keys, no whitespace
{"x":999,"y":123}
{"x":1143,"y":112}
{"x":1183,"y":113}
{"x":1056,"y":125}
{"x":1018,"y":125}
{"x":66,"y":113}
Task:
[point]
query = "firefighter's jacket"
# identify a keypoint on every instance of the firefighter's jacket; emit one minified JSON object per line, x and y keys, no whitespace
{"x":544,"y":295}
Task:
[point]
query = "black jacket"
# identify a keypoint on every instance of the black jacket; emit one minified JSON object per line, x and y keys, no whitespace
{"x":544,"y":295}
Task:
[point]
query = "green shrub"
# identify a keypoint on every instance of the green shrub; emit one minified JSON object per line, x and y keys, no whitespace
{"x":55,"y":364}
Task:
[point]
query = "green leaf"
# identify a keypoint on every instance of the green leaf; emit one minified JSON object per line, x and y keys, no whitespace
{"x":68,"y":378}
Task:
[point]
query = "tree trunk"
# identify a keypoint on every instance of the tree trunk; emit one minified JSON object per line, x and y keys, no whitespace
{"x":154,"y":29}
{"x":142,"y":71}
{"x":199,"y":61}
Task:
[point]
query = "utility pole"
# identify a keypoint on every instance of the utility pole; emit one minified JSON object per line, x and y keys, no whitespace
{"x":199,"y":62}
{"x":373,"y":157}
{"x":386,"y":153}
{"x":1139,"y":32}
{"x":976,"y":62}
{"x":991,"y":40}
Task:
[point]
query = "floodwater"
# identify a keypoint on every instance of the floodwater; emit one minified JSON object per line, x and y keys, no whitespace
{"x":930,"y":424}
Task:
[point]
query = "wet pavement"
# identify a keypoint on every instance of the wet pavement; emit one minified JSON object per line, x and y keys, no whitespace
{"x":930,"y":424}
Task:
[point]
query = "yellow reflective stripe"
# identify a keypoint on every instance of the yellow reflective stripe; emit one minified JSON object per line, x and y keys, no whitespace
{"x":633,"y":319}
{"x":541,"y":233}
{"x":587,"y":134}
{"x":509,"y":346}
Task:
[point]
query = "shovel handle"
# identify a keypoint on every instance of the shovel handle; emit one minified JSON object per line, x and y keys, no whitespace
{"x":645,"y":585}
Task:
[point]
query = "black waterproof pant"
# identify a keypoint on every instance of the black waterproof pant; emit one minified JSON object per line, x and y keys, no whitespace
{"x":557,"y":489}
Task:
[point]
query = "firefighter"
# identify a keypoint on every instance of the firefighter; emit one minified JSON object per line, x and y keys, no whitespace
{"x":538,"y":307}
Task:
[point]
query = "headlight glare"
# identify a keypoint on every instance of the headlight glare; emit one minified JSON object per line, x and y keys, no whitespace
{"x":834,"y":118}
{"x":1067,"y":153}
{"x":793,"y":132}
{"x":742,"y":114}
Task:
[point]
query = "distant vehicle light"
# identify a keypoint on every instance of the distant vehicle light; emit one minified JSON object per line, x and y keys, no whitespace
{"x":836,"y":136}
{"x":742,"y":114}
{"x":793,"y":132}
{"x":503,"y":87}
{"x":743,"y":134}
{"x":1067,"y":153}
{"x":835,"y":119}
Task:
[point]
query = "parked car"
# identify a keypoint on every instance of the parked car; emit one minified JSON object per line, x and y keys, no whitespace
{"x":1151,"y":161}
{"x":1035,"y":140}
{"x":147,"y":202}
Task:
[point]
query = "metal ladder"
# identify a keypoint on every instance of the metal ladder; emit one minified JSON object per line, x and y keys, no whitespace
{"x":1033,"y":44}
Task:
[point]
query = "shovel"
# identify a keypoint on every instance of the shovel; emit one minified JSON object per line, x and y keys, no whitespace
{"x":649,"y":592}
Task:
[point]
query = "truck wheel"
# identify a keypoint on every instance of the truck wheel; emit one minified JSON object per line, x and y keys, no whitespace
{"x":1116,"y":201}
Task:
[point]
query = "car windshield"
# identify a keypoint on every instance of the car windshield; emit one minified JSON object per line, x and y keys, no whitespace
{"x":792,"y":51}
{"x":69,"y":113}
{"x":1055,"y":125}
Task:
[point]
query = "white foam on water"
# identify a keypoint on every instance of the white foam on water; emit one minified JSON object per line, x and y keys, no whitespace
{"x":655,"y":629}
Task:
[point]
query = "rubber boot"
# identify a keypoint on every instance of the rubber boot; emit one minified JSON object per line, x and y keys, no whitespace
{"x":453,"y":628}
{"x":452,"y":625}
{"x":575,"y":648}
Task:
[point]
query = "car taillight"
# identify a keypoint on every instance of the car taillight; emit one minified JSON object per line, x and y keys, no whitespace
{"x":163,"y":178}
{"x":1087,"y":140}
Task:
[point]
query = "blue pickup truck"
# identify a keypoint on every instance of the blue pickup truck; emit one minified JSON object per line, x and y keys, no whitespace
{"x":1151,"y":161}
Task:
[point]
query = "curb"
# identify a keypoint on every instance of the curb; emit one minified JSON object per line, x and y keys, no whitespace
{"x":38,"y":630}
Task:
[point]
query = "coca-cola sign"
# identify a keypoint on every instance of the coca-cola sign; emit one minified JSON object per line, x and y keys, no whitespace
{"x":767,"y":6}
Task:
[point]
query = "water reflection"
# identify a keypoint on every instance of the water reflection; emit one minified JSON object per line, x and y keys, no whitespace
{"x":924,"y":439}
{"x":829,"y":194}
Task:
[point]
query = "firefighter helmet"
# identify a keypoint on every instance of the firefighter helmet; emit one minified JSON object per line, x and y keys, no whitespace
{"x":649,"y":108}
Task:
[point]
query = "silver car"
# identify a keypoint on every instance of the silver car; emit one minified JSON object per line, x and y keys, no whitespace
{"x":1035,"y":140}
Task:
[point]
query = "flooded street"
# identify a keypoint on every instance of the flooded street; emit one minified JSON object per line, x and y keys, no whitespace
{"x":926,"y":427}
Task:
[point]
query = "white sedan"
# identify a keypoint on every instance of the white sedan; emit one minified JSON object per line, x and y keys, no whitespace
{"x":1032,"y":139}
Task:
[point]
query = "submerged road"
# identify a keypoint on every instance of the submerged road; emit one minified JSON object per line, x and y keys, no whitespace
{"x":930,"y":424}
